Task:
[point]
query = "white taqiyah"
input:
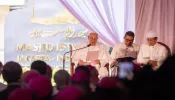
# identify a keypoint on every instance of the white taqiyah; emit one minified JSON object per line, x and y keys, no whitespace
{"x":151,"y":34}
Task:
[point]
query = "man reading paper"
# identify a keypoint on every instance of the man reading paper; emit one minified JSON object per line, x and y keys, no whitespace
{"x":124,"y":52}
{"x":127,"y":48}
{"x":95,"y":55}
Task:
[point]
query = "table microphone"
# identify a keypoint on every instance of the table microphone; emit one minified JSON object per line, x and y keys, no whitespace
{"x":72,"y":51}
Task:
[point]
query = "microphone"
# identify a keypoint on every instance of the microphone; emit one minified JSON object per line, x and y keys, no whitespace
{"x":72,"y":51}
{"x":88,"y":45}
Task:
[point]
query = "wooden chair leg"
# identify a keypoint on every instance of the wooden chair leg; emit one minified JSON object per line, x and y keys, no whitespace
{"x":72,"y":69}
{"x":107,"y":67}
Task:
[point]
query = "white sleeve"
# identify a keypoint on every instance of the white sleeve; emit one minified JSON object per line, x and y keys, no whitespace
{"x":104,"y":56}
{"x":162,"y":56}
{"x":140,"y":58}
{"x":114,"y":53}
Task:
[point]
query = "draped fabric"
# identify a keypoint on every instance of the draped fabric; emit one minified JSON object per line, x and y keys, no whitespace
{"x":97,"y":15}
{"x":129,"y":15}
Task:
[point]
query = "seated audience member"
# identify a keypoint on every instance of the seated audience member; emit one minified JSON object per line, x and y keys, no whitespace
{"x":2,"y":86}
{"x":107,"y":89}
{"x":49,"y":71}
{"x":62,"y":79}
{"x":94,"y":77}
{"x":21,"y":94}
{"x":124,"y":49}
{"x":11,"y":73}
{"x":143,"y":81}
{"x":86,"y":78}
{"x":152,"y":53}
{"x":164,"y":80}
{"x":39,"y":66}
{"x":84,"y":68}
{"x":81,"y":78}
{"x":95,"y":55}
{"x":41,"y":87}
{"x":27,"y":76}
{"x":71,"y":93}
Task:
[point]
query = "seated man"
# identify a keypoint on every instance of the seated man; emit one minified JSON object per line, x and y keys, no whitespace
{"x":152,"y":53}
{"x":95,"y":55}
{"x":62,"y":79}
{"x":11,"y":73}
{"x":126,"y":49}
{"x":39,"y":66}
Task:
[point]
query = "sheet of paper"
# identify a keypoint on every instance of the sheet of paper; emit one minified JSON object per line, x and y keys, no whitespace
{"x":92,"y":55}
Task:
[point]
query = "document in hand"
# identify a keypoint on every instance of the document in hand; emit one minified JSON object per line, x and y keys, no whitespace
{"x":92,"y":55}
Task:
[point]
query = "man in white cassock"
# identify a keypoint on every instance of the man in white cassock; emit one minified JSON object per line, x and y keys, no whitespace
{"x":95,"y":55}
{"x":152,"y":53}
{"x":124,"y":49}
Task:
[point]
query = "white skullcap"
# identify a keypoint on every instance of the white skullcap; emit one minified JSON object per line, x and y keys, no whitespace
{"x":151,"y":34}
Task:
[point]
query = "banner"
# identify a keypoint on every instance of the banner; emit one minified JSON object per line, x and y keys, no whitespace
{"x":29,"y":38}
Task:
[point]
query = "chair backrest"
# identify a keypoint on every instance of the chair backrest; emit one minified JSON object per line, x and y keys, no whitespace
{"x":110,"y":50}
{"x":168,"y":49}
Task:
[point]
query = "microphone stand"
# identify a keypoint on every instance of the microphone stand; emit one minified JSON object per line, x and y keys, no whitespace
{"x":72,"y":51}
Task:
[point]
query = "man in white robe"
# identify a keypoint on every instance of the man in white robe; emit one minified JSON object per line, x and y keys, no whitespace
{"x":95,"y":55}
{"x":152,"y":53}
{"x":124,"y":49}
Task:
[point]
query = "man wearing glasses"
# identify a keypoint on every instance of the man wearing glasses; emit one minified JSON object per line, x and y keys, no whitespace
{"x":124,"y":49}
{"x":95,"y":55}
{"x":152,"y":53}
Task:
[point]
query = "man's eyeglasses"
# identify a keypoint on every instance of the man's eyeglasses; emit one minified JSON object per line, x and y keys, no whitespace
{"x":151,"y":39}
{"x":92,"y":38}
{"x":128,"y":40}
